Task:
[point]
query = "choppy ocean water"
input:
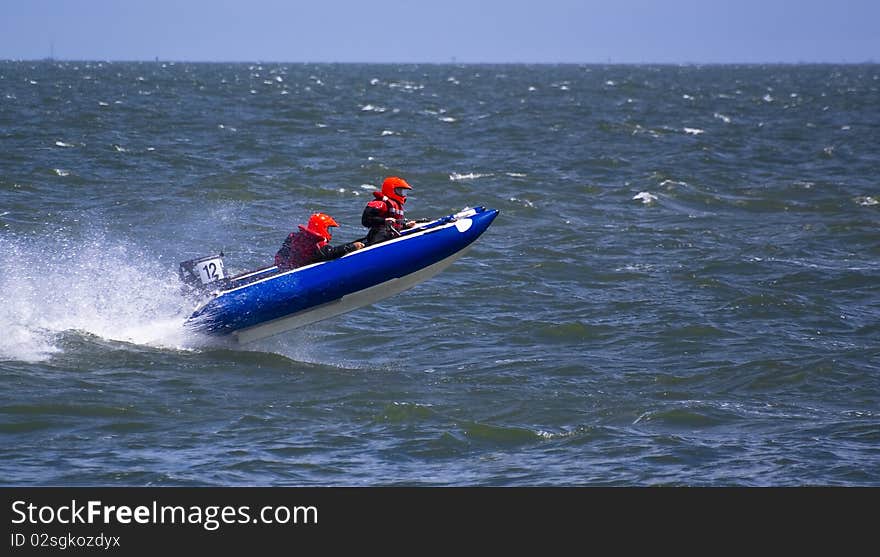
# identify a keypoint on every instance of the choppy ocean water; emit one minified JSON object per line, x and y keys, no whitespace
{"x":683,"y":286}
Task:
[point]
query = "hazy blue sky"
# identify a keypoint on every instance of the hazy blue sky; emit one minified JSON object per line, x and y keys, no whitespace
{"x":467,"y":31}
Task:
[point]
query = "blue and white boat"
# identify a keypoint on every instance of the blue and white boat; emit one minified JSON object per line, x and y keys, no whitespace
{"x":268,"y":301}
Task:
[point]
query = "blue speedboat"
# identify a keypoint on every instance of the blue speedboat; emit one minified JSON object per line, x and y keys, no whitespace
{"x":267,"y":301}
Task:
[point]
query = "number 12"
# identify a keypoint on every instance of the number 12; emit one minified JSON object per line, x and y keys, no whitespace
{"x":211,"y":271}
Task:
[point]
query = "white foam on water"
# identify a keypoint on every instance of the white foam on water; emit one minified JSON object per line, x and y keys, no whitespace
{"x":51,"y":285}
{"x":646,"y":197}
{"x":457,"y":177}
{"x":523,"y":202}
{"x":406,"y":86}
{"x":669,"y":184}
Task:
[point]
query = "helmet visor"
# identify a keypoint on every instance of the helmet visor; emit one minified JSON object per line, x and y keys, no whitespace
{"x":400,"y":191}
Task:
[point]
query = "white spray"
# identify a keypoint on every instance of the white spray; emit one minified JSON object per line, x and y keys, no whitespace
{"x":51,"y":285}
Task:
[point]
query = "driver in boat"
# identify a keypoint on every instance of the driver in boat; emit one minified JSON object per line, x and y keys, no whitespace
{"x":384,"y":215}
{"x":311,"y":243}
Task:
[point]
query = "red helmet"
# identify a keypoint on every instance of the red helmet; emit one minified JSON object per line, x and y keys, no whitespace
{"x":395,"y":188}
{"x":320,"y":224}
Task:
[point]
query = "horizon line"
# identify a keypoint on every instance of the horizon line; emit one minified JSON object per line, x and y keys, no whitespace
{"x":453,"y":62}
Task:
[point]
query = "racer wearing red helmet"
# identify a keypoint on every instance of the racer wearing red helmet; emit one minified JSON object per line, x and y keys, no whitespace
{"x":384,"y":215}
{"x":311,"y":243}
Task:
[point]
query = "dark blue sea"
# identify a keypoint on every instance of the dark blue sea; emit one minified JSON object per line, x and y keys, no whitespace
{"x":682,"y":287}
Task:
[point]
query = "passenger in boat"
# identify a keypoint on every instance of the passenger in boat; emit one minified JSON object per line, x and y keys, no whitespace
{"x":311,"y":243}
{"x":384,"y":214}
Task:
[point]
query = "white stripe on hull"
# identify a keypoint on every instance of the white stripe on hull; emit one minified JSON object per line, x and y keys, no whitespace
{"x":345,"y":304}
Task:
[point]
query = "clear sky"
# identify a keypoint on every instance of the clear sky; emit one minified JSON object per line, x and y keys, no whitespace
{"x":464,"y":31}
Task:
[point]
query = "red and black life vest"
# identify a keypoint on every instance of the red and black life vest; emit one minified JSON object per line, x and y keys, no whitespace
{"x":388,"y":208}
{"x":300,"y":248}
